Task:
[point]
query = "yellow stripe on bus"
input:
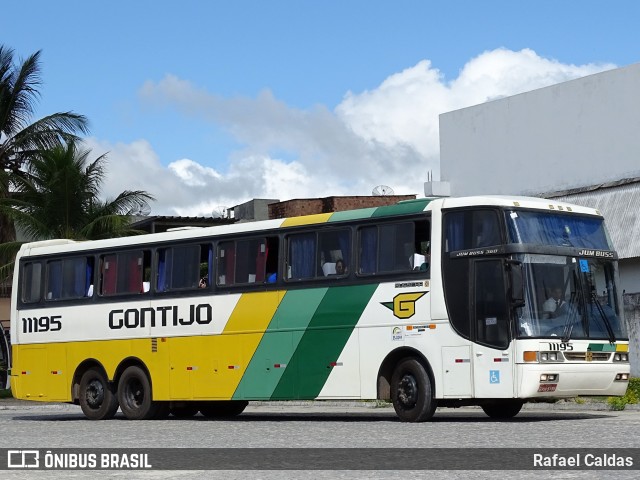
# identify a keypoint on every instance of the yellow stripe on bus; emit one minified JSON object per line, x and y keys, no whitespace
{"x":306,"y":219}
{"x":223,"y":358}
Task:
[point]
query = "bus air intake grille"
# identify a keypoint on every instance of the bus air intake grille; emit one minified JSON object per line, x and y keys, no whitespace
{"x":154,"y":345}
{"x":587,"y":356}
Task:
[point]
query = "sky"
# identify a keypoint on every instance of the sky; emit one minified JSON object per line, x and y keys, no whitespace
{"x":209,"y":104}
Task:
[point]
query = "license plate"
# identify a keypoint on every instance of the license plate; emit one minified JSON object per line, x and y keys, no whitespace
{"x":547,"y":387}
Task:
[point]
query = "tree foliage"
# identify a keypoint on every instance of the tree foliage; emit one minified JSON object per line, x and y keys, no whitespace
{"x":58,"y":196}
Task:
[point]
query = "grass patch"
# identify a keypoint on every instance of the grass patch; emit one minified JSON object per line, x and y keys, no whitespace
{"x":630,"y":397}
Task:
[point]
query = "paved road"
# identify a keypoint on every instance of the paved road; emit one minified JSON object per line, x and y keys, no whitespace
{"x":321,"y":425}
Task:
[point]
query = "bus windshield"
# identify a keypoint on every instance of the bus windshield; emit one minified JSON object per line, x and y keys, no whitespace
{"x":570,"y":298}
{"x":556,"y":229}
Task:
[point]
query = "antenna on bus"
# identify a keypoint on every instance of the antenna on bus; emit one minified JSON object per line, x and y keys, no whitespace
{"x":382,"y":190}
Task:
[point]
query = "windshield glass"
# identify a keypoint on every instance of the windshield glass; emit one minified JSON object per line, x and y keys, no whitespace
{"x":556,"y":228}
{"x":570,"y":298}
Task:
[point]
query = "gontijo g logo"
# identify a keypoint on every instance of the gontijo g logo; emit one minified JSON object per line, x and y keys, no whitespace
{"x":404,"y":304}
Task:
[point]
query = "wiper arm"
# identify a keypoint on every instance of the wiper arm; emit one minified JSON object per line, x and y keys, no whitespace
{"x":572,"y":316}
{"x":568,"y":326}
{"x":605,"y":319}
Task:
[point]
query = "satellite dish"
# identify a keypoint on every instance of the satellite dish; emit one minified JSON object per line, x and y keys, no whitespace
{"x":382,"y":190}
{"x":143,"y":209}
{"x":219,"y":212}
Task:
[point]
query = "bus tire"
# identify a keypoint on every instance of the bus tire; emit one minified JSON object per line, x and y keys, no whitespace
{"x":502,"y":410}
{"x":223,"y":409}
{"x":412,"y":391}
{"x":97,"y":398}
{"x":134,"y":395}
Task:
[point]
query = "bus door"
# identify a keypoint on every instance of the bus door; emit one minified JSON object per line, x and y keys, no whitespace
{"x":492,"y":350}
{"x":4,"y":360}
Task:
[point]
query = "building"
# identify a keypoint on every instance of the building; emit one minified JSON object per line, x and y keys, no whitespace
{"x":310,"y":206}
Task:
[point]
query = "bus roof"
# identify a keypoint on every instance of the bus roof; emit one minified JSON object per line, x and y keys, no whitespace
{"x":405,"y":207}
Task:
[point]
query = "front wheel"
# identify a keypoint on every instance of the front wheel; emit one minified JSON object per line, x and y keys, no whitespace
{"x":97,"y":399}
{"x":134,"y":395}
{"x":412,"y":391}
{"x":502,"y":410}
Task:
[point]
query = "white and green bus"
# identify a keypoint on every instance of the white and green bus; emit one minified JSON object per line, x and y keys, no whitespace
{"x":426,"y":303}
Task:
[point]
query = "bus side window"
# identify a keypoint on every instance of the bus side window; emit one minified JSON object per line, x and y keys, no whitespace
{"x":335,"y":249}
{"x":180,"y":267}
{"x":393,"y":247}
{"x":31,"y":282}
{"x":301,"y":257}
{"x":226,"y":260}
{"x":271,"y":264}
{"x":125,"y":273}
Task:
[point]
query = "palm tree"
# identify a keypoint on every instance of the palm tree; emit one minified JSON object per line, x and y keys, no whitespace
{"x":21,"y":140}
{"x":58,"y":196}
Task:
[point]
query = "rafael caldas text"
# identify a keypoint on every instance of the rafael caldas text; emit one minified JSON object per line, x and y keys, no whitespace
{"x":581,"y":460}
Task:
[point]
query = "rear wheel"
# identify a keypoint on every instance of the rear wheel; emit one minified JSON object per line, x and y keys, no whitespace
{"x":97,"y":399}
{"x":412,"y":392}
{"x":134,"y":395}
{"x":222,"y":409}
{"x":503,"y":409}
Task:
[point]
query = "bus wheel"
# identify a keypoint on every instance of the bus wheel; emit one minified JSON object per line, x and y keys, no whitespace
{"x":221,"y":409}
{"x":184,"y":410}
{"x":134,"y":395}
{"x":97,"y":400}
{"x":503,"y":409}
{"x":411,"y":392}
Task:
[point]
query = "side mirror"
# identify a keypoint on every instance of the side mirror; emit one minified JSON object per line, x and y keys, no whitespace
{"x":516,"y":283}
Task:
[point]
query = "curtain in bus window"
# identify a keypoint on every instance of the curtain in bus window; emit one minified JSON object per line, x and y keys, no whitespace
{"x":302,"y":255}
{"x":54,"y":280}
{"x":164,"y":266}
{"x":79,"y":277}
{"x":454,"y":231}
{"x":261,"y":261}
{"x":244,"y":256}
{"x":230,"y":263}
{"x":109,"y":275}
{"x":210,"y":266}
{"x":185,"y":267}
{"x":89,"y":279}
{"x":135,"y":274}
{"x":557,"y":229}
{"x":368,"y":249}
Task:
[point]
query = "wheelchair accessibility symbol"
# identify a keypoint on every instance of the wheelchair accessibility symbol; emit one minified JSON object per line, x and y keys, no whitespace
{"x":494,"y":376}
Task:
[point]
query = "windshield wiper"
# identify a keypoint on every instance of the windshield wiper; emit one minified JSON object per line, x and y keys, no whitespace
{"x":605,"y":319}
{"x":572,"y":314}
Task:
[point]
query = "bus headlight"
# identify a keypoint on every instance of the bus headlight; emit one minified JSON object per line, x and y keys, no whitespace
{"x":551,"y":357}
{"x":622,"y":377}
{"x":549,"y":377}
{"x":621,"y":357}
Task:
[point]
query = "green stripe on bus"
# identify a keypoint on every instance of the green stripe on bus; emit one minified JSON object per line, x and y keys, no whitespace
{"x":352,"y":214}
{"x":402,"y":208}
{"x":323,"y":341}
{"x":602,"y":347}
{"x":276,"y":348}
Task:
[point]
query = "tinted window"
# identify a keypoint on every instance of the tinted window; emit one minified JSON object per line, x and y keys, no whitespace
{"x":69,"y":278}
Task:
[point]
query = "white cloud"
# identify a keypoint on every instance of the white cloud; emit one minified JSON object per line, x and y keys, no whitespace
{"x":388,"y":135}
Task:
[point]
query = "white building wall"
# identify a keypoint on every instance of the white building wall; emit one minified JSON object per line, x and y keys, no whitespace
{"x":573,"y":134}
